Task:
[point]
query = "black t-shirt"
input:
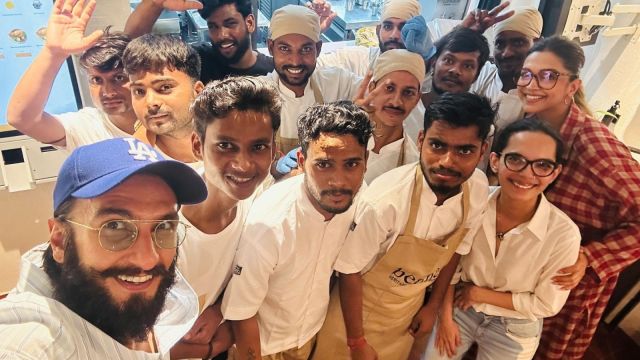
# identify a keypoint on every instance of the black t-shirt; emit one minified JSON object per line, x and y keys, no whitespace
{"x":212,"y":68}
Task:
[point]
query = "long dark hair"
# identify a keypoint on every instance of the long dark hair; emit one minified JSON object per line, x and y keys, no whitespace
{"x":572,"y":57}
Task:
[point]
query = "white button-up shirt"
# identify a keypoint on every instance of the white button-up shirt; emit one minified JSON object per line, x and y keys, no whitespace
{"x":35,"y":326}
{"x":283,"y":266}
{"x":529,"y":256}
{"x":383,"y":211}
{"x":334,"y":84}
{"x":387,"y":158}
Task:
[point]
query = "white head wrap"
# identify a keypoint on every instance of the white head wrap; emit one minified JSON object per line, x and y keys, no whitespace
{"x":399,"y":60}
{"x":295,"y":19}
{"x":402,"y":9}
{"x":525,"y":21}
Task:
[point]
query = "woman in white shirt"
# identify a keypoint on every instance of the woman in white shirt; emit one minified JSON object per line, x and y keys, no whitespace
{"x":506,"y":287}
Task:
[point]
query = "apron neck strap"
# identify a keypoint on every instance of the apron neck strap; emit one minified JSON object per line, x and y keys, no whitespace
{"x":415,"y":200}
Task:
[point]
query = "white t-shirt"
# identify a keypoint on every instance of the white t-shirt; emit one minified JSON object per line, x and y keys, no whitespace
{"x":529,"y":256}
{"x":283,"y":266}
{"x":334,"y":84}
{"x":383,"y":211}
{"x":388,"y":157}
{"x":88,"y":126}
{"x":206,"y":260}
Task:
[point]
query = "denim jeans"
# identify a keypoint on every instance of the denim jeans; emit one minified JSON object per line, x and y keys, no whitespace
{"x":498,"y":337}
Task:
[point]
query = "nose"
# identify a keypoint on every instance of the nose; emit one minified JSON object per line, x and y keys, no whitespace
{"x":337,"y":180}
{"x":152,"y":100}
{"x":396,"y":99}
{"x":395,"y":33}
{"x":508,"y":51}
{"x":447,"y":160}
{"x":144,"y":252}
{"x":242,"y":162}
{"x":455,"y":70}
{"x":108,"y":89}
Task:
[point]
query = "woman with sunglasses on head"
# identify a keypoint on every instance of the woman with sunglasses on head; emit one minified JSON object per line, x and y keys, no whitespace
{"x":599,"y":189}
{"x":506,"y":286}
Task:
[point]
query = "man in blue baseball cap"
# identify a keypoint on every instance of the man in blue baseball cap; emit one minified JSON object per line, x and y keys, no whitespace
{"x":105,"y":283}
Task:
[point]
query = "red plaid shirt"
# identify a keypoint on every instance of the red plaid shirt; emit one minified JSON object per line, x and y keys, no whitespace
{"x":599,"y":188}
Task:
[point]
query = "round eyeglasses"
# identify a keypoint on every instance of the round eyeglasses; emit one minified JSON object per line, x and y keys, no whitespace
{"x":117,"y":235}
{"x":547,"y":79}
{"x":540,"y":167}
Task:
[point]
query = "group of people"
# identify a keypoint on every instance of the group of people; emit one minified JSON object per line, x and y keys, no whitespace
{"x":221,"y":203}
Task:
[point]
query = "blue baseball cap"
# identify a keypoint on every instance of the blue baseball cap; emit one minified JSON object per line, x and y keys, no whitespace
{"x":92,"y":170}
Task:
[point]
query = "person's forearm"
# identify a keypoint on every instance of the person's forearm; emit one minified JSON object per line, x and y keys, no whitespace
{"x":25,"y":110}
{"x":351,"y":303}
{"x":184,"y":350}
{"x":247,"y":337}
{"x":141,"y":20}
{"x":441,"y":285}
{"x":446,"y":310}
{"x":495,"y":298}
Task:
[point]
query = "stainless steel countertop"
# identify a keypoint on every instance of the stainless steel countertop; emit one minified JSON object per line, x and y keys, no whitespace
{"x":354,"y":19}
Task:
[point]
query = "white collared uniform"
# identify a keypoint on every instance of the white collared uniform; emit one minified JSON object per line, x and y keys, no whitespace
{"x":389,"y":155}
{"x":35,"y":326}
{"x":529,"y":256}
{"x":283,"y":266}
{"x":383,"y":211}
{"x":206,"y":260}
{"x":87,"y":126}
{"x":334,"y":84}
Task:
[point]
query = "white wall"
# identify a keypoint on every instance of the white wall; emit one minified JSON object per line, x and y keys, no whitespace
{"x":612,"y":72}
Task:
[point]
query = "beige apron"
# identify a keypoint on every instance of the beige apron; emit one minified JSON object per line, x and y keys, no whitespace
{"x":394,"y":289}
{"x":285,"y":145}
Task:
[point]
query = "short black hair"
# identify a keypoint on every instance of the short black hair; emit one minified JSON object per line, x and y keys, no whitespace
{"x":106,"y":54}
{"x":241,"y":93}
{"x":209,"y":6}
{"x":155,"y":52}
{"x":462,"y":39}
{"x":462,"y":110}
{"x":530,"y":125}
{"x":341,"y":117}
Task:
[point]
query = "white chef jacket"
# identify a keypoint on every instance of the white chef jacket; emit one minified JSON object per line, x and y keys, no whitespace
{"x":383,"y":211}
{"x":283,"y":266}
{"x":529,"y":256}
{"x":334,"y":84}
{"x":387,"y":158}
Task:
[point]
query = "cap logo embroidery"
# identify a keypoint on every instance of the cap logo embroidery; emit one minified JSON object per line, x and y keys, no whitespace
{"x":141,"y":151}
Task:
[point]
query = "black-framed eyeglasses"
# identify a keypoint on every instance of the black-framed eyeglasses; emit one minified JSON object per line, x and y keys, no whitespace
{"x":540,"y":167}
{"x":547,"y":78}
{"x":118,"y":235}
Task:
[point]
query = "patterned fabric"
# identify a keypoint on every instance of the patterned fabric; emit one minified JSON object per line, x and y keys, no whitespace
{"x":599,"y":189}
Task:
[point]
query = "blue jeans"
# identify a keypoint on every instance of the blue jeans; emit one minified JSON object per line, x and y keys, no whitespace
{"x":498,"y":337}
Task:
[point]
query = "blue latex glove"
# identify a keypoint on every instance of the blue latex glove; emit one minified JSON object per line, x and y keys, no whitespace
{"x":285,"y":164}
{"x":416,"y":38}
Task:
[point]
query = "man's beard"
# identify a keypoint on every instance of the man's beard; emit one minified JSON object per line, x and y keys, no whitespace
{"x":384,"y":46}
{"x":241,"y":48}
{"x":443,"y":190}
{"x":282,"y":74}
{"x":80,"y":290}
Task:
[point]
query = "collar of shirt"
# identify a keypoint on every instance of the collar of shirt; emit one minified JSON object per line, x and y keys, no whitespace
{"x":178,"y":315}
{"x":536,"y":226}
{"x":389,"y":148}
{"x":307,"y":210}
